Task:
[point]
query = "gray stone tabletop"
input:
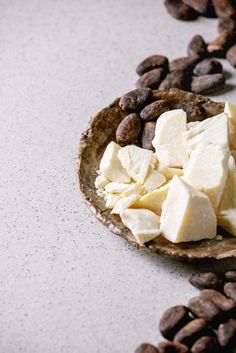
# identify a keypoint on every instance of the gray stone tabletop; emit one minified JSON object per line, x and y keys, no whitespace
{"x":67,"y":285}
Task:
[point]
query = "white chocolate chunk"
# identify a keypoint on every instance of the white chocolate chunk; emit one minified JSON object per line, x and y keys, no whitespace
{"x":226,"y":215}
{"x":168,"y":142}
{"x":153,"y":180}
{"x":111,"y":200}
{"x":143,"y":224}
{"x":124,"y":202}
{"x":136,"y":161}
{"x":192,"y":124}
{"x":169,"y":172}
{"x":100,"y":182}
{"x":207,"y":170}
{"x":230,"y":110}
{"x":214,"y":130}
{"x":187,"y":214}
{"x":133,"y":189}
{"x":110,"y":165}
{"x":153,"y":201}
{"x":116,"y":188}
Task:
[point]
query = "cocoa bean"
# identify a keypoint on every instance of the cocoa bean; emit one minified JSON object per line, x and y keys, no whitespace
{"x":205,"y":344}
{"x":176,"y":79}
{"x":207,"y":67}
{"x":128,"y":130}
{"x":154,"y":110}
{"x":148,"y":135}
{"x":184,"y":63}
{"x":191,"y":332}
{"x":201,"y":6}
{"x":226,"y":305}
{"x":179,"y":10}
{"x":227,"y":334}
{"x":146,"y":348}
{"x":206,"y":280}
{"x":231,"y":55}
{"x":152,"y":62}
{"x":172,"y":320}
{"x":172,"y":347}
{"x":197,"y":46}
{"x":204,"y":308}
{"x":225,"y":25}
{"x":225,"y":8}
{"x":135,"y":100}
{"x":222,"y":43}
{"x":151,"y":79}
{"x":230,"y":290}
{"x":230,"y":276}
{"x":207,"y":83}
{"x":194,"y":112}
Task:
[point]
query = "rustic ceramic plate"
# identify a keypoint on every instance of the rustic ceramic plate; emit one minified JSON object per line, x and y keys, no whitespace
{"x":100,"y":132}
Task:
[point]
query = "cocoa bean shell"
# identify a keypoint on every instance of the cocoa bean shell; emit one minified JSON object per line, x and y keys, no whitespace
{"x":226,"y":305}
{"x":173,"y":320}
{"x":207,"y":83}
{"x":204,"y":308}
{"x":197,"y":46}
{"x":176,"y":79}
{"x":151,"y":79}
{"x":180,"y":11}
{"x":152,"y":62}
{"x":154,"y":110}
{"x":148,"y":135}
{"x":208,"y":67}
{"x":205,"y":344}
{"x":191,"y":332}
{"x":206,"y":280}
{"x":135,"y":100}
{"x":128,"y":130}
{"x":185,"y":63}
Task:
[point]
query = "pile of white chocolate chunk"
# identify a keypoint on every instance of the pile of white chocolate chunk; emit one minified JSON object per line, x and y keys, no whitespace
{"x":183,"y":190}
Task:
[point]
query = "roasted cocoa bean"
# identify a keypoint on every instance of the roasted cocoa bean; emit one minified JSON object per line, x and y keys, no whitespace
{"x":206,"y":280}
{"x":231,"y":55}
{"x":226,"y":305}
{"x":230,"y":290}
{"x":207,"y":83}
{"x":205,"y":344}
{"x":227,"y":334}
{"x":172,"y":320}
{"x":184,"y":63}
{"x":128,"y":130}
{"x":151,"y":79}
{"x":146,"y":348}
{"x":197,"y":46}
{"x":222,"y":43}
{"x":154,"y":110}
{"x":204,"y":308}
{"x":225,"y":25}
{"x":172,"y":347}
{"x":194,"y":111}
{"x":207,"y":67}
{"x":201,"y":6}
{"x":152,"y":62}
{"x":176,"y":79}
{"x":230,"y":276}
{"x":135,"y":100}
{"x":191,"y":332}
{"x":148,"y":135}
{"x":179,"y":10}
{"x":225,"y":8}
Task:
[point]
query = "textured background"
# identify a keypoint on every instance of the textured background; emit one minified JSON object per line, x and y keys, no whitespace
{"x":67,"y":284}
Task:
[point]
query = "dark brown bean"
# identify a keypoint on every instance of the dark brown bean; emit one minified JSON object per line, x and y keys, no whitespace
{"x":197,"y":46}
{"x":225,"y":25}
{"x":146,"y":348}
{"x":230,"y":290}
{"x":205,"y":344}
{"x":201,"y":6}
{"x":135,"y":100}
{"x":173,"y":320}
{"x":225,"y":8}
{"x":184,"y":63}
{"x":205,"y":280}
{"x":204,"y":308}
{"x":172,"y":347}
{"x":191,"y":332}
{"x":176,"y":79}
{"x":195,"y":112}
{"x":207,"y":83}
{"x":220,"y":300}
{"x":227,"y":334}
{"x":179,"y":10}
{"x":148,"y":135}
{"x":230,"y":276}
{"x":128,"y":130}
{"x":231,"y":55}
{"x":207,"y":67}
{"x":152,"y":62}
{"x":151,"y":79}
{"x":222,"y":43}
{"x":154,"y":110}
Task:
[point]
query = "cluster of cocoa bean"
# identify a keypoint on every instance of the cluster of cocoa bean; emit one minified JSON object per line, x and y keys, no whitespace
{"x":207,"y":324}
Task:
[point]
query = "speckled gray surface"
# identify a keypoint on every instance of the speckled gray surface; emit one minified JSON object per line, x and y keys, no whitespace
{"x":67,"y":284}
